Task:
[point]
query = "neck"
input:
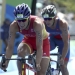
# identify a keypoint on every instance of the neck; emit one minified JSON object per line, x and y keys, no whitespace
{"x":53,"y":22}
{"x":28,"y":24}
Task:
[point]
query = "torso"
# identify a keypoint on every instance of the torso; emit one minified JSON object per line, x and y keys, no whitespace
{"x":56,"y":32}
{"x":30,"y":31}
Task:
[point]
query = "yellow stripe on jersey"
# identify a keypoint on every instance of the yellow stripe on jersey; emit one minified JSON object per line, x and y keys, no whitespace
{"x":45,"y":33}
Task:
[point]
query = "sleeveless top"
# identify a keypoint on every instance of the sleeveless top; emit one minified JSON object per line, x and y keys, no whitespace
{"x":55,"y":32}
{"x":30,"y":33}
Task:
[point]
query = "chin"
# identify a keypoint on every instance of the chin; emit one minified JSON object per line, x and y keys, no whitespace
{"x":22,"y":27}
{"x":49,"y":25}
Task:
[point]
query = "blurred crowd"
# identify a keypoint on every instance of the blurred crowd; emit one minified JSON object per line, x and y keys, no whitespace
{"x":4,"y":30}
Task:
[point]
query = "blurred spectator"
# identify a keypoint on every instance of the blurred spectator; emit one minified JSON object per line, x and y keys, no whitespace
{"x":5,"y":31}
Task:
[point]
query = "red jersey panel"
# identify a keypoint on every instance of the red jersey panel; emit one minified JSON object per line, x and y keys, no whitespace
{"x":30,"y":32}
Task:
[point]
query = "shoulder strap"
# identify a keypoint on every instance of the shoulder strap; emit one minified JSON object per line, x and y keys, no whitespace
{"x":57,"y":24}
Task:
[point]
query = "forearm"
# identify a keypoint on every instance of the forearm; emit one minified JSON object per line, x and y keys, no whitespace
{"x":39,"y":56}
{"x":9,"y":52}
{"x":64,"y":51}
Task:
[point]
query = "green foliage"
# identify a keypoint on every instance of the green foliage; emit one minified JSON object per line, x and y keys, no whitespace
{"x":16,"y":2}
{"x":68,"y":4}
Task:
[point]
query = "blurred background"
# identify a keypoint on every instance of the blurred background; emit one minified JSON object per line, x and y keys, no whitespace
{"x":65,"y":9}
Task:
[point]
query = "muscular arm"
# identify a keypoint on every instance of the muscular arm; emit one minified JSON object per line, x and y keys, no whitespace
{"x":39,"y":43}
{"x":12,"y":34}
{"x":64,"y":29}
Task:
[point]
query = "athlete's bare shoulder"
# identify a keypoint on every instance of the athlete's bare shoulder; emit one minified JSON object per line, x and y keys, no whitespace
{"x":14,"y":26}
{"x":63,"y":26}
{"x":63,"y":23}
{"x":38,"y":22}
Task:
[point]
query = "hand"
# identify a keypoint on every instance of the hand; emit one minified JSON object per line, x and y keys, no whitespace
{"x":61,"y":61}
{"x":38,"y":67}
{"x":3,"y":66}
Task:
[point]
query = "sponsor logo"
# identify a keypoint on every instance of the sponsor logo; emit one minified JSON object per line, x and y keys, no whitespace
{"x":19,"y":15}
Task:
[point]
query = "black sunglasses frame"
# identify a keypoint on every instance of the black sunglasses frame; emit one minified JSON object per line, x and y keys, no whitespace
{"x":23,"y":20}
{"x":48,"y":18}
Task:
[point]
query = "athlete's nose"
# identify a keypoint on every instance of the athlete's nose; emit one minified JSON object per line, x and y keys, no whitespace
{"x":21,"y":23}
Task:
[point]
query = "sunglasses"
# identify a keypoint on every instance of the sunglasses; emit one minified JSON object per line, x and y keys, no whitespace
{"x":48,"y":18}
{"x":23,"y":20}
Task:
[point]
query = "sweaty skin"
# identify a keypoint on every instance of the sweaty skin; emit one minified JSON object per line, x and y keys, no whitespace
{"x":41,"y":34}
{"x":65,"y":37}
{"x":64,"y":29}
